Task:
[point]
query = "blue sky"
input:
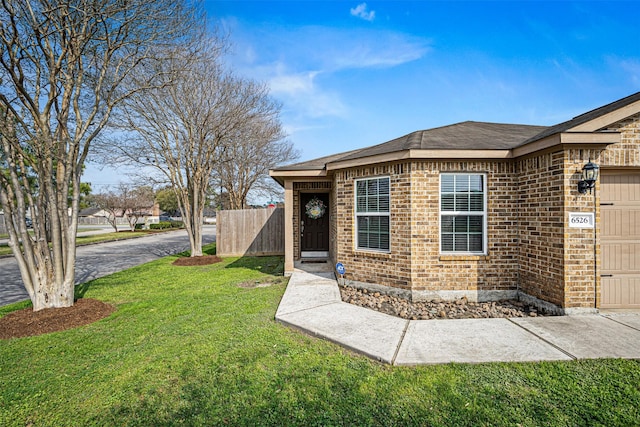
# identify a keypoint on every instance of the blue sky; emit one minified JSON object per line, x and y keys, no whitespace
{"x":350,"y":74}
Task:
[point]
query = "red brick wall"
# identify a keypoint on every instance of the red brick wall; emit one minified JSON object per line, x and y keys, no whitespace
{"x":530,"y":246}
{"x":433,"y":271}
{"x":540,"y":208}
{"x":392,"y":269}
{"x":581,"y":253}
{"x":582,"y":263}
{"x":415,"y":262}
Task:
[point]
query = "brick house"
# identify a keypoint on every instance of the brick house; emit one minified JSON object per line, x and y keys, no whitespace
{"x":483,"y":210}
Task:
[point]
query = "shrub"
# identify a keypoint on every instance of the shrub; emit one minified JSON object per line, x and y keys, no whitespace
{"x":160,"y":226}
{"x":166,"y":224}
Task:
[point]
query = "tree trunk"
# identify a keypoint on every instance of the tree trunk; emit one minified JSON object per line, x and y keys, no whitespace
{"x":65,"y":67}
{"x":52,"y":295}
{"x":48,"y":285}
{"x":195,"y":220}
{"x":195,"y":239}
{"x":191,"y":206}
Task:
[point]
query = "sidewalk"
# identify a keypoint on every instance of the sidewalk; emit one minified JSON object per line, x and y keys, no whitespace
{"x":312,"y":304}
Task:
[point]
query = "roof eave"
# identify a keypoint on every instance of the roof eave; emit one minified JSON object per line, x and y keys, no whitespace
{"x":567,"y":138}
{"x":558,"y":140}
{"x":607,"y":119}
{"x":416,"y":154}
{"x":281,"y":175}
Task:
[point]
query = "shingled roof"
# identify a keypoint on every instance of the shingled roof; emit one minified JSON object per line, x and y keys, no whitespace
{"x":314,"y":164}
{"x":460,"y":136}
{"x":467,"y":136}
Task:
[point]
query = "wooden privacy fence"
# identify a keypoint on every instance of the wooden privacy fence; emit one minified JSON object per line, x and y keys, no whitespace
{"x":253,"y":232}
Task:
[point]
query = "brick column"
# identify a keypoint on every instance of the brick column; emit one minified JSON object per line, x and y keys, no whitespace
{"x":288,"y":227}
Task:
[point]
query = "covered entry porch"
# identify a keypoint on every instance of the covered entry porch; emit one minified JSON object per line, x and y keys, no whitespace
{"x":309,"y":229}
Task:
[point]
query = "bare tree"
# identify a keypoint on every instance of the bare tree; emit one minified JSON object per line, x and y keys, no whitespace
{"x":63,"y":66}
{"x":110,"y":203}
{"x":258,"y":147}
{"x":137,"y":202}
{"x":127,"y":201}
{"x":186,"y":129}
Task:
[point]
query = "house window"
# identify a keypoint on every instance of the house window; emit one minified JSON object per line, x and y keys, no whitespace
{"x":372,"y":214}
{"x":463,"y":213}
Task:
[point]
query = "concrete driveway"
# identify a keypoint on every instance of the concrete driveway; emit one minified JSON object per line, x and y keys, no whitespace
{"x":102,"y":259}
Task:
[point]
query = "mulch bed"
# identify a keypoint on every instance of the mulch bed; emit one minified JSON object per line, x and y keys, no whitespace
{"x":197,"y":260}
{"x":27,"y":323}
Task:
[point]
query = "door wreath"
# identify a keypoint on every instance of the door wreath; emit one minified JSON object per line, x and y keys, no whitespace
{"x":315,"y":208}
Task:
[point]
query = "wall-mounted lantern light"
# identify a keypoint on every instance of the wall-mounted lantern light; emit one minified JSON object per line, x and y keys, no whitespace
{"x":589,"y":177}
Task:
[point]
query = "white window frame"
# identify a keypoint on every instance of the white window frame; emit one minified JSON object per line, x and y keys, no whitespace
{"x":482,"y":214}
{"x":369,"y":214}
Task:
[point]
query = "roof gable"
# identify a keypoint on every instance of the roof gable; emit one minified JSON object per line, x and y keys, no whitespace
{"x":596,"y":119}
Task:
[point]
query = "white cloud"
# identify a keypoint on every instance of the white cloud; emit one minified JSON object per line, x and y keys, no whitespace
{"x":326,"y":49}
{"x":334,"y":49}
{"x":290,"y":84}
{"x":361,"y":12}
{"x":300,"y":93}
{"x":304,"y":66}
{"x":379,"y":50}
{"x":632,"y":68}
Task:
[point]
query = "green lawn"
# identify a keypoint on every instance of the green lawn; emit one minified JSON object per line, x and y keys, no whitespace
{"x":187,"y":346}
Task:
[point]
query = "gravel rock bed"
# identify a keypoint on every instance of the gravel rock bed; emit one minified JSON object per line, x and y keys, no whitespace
{"x":458,"y":309}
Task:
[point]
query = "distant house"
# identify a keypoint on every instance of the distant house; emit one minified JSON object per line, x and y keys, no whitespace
{"x":148,"y":215}
{"x":93,"y":213}
{"x":482,"y":210}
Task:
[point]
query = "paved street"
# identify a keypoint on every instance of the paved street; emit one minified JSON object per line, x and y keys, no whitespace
{"x":99,"y":260}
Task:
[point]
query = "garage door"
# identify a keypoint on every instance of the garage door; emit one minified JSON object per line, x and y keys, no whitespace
{"x":620,"y":239}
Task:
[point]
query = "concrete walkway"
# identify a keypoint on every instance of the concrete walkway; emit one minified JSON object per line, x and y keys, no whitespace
{"x":312,"y":304}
